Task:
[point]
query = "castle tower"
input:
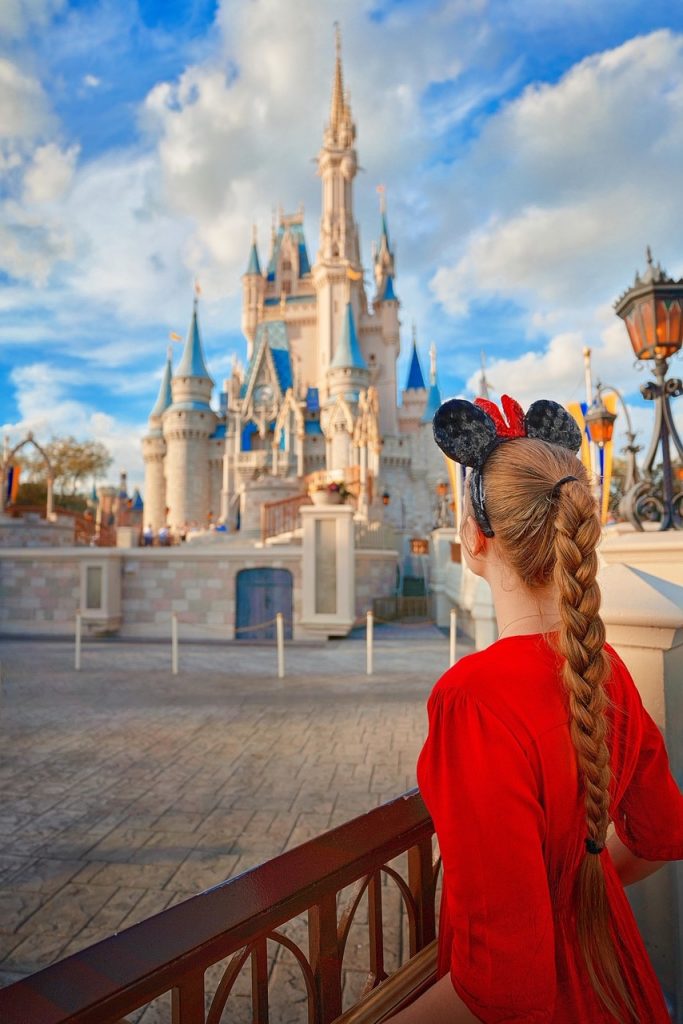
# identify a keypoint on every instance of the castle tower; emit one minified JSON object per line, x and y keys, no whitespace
{"x":253,"y":292}
{"x":414,"y":395}
{"x":187,"y":425}
{"x":153,"y":453}
{"x":386,"y":306}
{"x":339,"y":249}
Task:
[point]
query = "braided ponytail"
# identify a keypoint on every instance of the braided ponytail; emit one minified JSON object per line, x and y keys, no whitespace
{"x":581,"y":642}
{"x":549,"y":536}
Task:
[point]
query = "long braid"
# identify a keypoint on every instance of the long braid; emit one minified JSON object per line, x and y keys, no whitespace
{"x":550,"y":537}
{"x":585,"y":670}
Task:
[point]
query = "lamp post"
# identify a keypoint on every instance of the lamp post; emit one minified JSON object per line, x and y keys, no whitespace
{"x":600,"y":423}
{"x":442,"y":504}
{"x":652,"y":310}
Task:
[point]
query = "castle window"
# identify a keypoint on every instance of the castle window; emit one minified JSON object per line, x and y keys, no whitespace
{"x":286,"y":264}
{"x":286,"y":287}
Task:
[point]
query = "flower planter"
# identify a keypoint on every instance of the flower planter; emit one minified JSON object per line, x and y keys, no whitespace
{"x":326,"y":497}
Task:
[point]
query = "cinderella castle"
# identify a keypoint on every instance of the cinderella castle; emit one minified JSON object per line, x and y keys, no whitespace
{"x":317,"y":402}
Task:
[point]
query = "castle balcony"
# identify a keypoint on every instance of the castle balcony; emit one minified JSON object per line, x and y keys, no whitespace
{"x":309,"y":900}
{"x":246,"y":462}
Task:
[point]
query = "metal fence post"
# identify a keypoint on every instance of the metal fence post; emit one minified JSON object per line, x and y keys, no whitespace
{"x":369,"y":640}
{"x":280,"y":632}
{"x":174,"y":644}
{"x":77,"y":652}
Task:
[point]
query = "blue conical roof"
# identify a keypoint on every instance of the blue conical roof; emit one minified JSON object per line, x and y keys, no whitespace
{"x":415,"y":377}
{"x":137,"y":501}
{"x":253,"y":266}
{"x":348,"y":353}
{"x":433,"y":403}
{"x":164,"y":398}
{"x":192,"y":363}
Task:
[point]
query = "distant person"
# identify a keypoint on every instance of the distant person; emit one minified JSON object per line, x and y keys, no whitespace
{"x":534,"y":745}
{"x":148,"y":536}
{"x":164,"y":536}
{"x":183,"y":532}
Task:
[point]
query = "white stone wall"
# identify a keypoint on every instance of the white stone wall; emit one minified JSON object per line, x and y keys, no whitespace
{"x":32,"y":532}
{"x":40,"y":590}
{"x":155,"y":482}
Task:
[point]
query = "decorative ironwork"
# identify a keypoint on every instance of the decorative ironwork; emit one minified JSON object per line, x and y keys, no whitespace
{"x":282,"y":516}
{"x":652,"y":310}
{"x":170,"y":953}
{"x":649,"y":499}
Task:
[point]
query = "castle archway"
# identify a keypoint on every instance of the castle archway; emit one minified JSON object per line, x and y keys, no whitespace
{"x":7,"y":462}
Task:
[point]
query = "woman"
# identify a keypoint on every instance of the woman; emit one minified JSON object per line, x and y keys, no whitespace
{"x":534,"y":745}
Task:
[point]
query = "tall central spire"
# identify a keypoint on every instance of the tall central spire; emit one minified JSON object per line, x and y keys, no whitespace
{"x":341,"y":130}
{"x":337,"y":104}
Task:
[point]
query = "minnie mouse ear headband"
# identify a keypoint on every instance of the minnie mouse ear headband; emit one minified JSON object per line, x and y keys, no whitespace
{"x":468,"y":432}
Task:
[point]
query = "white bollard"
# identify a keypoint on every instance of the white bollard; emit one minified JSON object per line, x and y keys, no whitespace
{"x":454,"y":632}
{"x":77,"y":652}
{"x":280,"y":633}
{"x":174,"y":644}
{"x":369,"y":636}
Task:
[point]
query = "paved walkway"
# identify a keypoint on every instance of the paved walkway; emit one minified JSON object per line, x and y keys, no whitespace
{"x":126,"y":789}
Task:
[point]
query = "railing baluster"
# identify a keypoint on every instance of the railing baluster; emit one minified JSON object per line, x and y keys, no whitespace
{"x":259,"y":982}
{"x":187,"y":1000}
{"x":324,"y":956}
{"x":375,"y":928}
{"x":421,"y":882}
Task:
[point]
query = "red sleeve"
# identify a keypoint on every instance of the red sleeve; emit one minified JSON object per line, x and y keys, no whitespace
{"x":649,"y":816}
{"x":490,"y":825}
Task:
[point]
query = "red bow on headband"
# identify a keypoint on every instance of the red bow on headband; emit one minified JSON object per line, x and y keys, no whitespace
{"x":516,"y":424}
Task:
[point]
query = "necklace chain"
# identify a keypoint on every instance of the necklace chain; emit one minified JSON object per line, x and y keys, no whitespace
{"x":521,"y":618}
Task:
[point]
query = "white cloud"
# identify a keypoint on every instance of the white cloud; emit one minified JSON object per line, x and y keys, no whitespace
{"x":24,"y":110}
{"x":91,"y":81}
{"x":50,"y":173}
{"x":46,"y":408}
{"x":574,"y":178}
{"x":17,"y":17}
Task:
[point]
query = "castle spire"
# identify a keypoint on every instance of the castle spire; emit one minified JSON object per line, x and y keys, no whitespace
{"x":337,"y":105}
{"x":192,"y":363}
{"x":164,"y":398}
{"x":253,"y":266}
{"x":348,"y":354}
{"x":415,"y":377}
{"x":434,"y":395}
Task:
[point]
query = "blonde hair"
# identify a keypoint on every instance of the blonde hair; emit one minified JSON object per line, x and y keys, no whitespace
{"x":550,"y":537}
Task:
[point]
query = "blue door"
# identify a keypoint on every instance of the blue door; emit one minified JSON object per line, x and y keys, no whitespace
{"x":261,"y":594}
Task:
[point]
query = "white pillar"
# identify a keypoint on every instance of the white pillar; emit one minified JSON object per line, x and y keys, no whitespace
{"x":329,"y":569}
{"x":643,"y":615}
{"x":369,"y":643}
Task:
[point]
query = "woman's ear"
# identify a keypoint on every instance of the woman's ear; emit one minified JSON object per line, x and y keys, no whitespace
{"x":475,"y":539}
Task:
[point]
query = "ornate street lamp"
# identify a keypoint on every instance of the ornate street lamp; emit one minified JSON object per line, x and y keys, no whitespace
{"x":600,"y":423}
{"x":652,"y":310}
{"x":386,"y":498}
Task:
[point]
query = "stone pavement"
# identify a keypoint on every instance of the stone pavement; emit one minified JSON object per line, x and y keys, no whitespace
{"x":125,"y":789}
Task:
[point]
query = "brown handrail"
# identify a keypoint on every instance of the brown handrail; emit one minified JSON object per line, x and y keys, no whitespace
{"x":171,"y":951}
{"x":282,"y":516}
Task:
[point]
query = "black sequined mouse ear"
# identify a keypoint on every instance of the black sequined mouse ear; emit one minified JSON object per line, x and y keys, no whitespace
{"x":464,"y":432}
{"x":549,"y":421}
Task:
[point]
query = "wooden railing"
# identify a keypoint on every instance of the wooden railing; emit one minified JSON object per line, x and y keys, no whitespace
{"x":282,"y":516}
{"x":171,"y":953}
{"x":85,"y":527}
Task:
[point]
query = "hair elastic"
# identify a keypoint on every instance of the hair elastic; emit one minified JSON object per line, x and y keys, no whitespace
{"x":593,"y":847}
{"x":556,"y":487}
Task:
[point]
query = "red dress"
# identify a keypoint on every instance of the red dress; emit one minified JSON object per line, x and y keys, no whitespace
{"x":499,"y":776}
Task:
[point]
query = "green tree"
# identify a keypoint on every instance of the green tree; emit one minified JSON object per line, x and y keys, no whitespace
{"x":73,"y":463}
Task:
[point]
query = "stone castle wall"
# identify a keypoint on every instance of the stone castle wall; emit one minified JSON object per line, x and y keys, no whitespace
{"x":40,"y":590}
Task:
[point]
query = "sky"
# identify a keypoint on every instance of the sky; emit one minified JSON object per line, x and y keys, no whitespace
{"x":530,"y":152}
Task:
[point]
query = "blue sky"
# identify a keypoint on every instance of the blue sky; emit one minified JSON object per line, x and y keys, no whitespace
{"x":530,"y":152}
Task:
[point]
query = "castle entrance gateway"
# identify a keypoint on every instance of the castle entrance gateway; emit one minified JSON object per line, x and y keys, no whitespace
{"x":261,"y":594}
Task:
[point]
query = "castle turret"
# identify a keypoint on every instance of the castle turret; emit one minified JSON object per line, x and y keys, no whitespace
{"x":433,"y":395}
{"x":154,"y":452}
{"x":187,"y":425}
{"x":348,"y":372}
{"x":414,"y":395}
{"x":253,"y":291}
